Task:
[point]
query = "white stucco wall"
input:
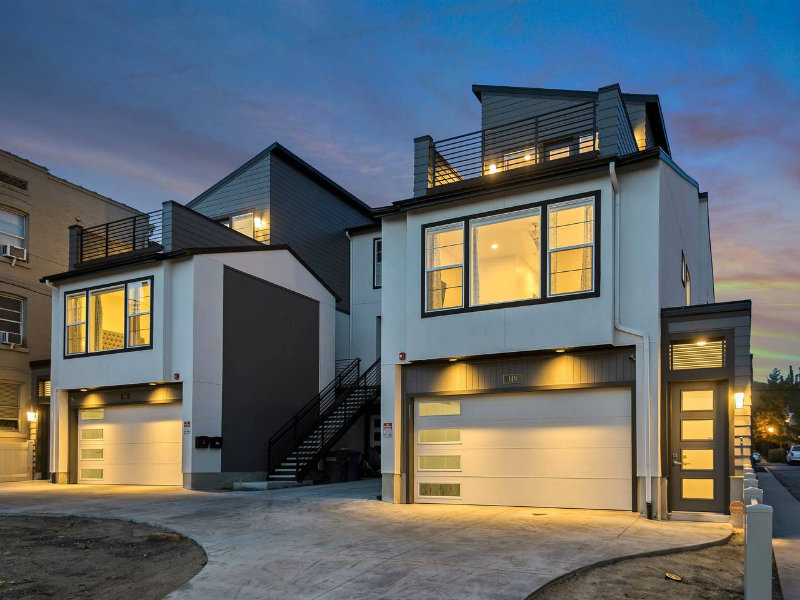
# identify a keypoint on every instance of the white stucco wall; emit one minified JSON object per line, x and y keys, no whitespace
{"x":365,"y":300}
{"x":187,"y":336}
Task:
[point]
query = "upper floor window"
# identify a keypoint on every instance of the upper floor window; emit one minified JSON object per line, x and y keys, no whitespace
{"x":571,"y":247}
{"x":377,"y":263}
{"x":506,"y":260}
{"x":686,"y":279}
{"x":9,"y":405}
{"x":110,"y":318}
{"x":11,"y":322}
{"x":444,"y":267}
{"x":511,"y":257}
{"x":251,"y":225}
{"x":12,"y":227}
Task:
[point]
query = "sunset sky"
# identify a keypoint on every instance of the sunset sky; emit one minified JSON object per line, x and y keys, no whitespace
{"x":147,"y":102}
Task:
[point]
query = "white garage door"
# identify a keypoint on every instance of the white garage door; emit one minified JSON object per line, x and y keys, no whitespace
{"x":569,"y":449}
{"x":138,"y":444}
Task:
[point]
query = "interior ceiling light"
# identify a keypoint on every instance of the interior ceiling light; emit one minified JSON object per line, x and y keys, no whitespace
{"x":701,"y":343}
{"x":495,"y":246}
{"x":492,"y":168}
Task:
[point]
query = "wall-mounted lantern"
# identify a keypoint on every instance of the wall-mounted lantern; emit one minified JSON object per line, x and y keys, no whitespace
{"x":738,"y":400}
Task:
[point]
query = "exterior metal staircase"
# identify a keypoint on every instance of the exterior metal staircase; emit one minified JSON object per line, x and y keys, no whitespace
{"x":305,"y":439}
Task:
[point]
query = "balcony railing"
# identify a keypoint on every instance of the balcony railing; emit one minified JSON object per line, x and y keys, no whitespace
{"x":547,"y":137}
{"x":140,"y":232}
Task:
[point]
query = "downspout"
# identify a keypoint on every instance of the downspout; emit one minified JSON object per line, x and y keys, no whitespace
{"x":350,"y":319}
{"x":645,"y":338}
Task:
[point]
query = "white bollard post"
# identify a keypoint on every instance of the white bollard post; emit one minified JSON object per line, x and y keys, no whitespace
{"x":757,"y":552}
{"x":750,"y":481}
{"x":753,"y":493}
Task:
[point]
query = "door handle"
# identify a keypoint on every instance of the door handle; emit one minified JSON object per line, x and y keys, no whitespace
{"x":676,"y":462}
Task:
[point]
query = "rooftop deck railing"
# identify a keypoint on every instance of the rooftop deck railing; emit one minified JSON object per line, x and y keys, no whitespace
{"x":140,"y":232}
{"x":546,"y":137}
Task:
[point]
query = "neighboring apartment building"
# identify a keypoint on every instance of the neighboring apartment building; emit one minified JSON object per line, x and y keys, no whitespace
{"x":198,"y":349}
{"x":549,"y":335}
{"x":36,"y":210}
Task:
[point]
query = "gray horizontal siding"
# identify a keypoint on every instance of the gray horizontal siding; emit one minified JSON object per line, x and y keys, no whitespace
{"x":184,"y":228}
{"x":247,"y":192}
{"x":312,"y":220}
{"x":499,"y":109}
{"x":580,"y":369}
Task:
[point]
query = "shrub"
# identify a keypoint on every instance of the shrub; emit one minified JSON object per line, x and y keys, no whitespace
{"x":776,"y":455}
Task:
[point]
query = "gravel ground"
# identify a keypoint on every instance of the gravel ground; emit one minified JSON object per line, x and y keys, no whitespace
{"x":71,"y":557}
{"x":709,"y":574}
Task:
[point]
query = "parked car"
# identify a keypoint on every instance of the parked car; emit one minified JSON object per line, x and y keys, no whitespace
{"x":793,"y":455}
{"x":756,"y":457}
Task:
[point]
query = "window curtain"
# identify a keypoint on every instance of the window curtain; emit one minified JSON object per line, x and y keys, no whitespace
{"x":97,"y":317}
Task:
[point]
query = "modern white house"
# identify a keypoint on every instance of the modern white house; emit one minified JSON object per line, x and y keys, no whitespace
{"x":537,"y":322}
{"x":192,"y":350}
{"x":549,"y":332}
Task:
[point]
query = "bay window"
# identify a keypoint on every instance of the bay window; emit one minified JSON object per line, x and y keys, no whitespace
{"x":511,"y":257}
{"x":444,"y":267}
{"x":107,"y":319}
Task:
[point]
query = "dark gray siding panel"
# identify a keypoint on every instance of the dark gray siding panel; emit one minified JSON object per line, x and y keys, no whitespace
{"x":498,"y":109}
{"x":247,"y":192}
{"x":312,"y":220}
{"x":270,"y":365}
{"x":184,"y":228}
{"x":605,"y":367}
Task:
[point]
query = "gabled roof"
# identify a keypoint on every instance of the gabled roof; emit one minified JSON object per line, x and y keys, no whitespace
{"x":297,"y":162}
{"x":651,"y":101}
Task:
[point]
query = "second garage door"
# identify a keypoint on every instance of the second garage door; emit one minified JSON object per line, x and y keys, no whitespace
{"x":138,"y":444}
{"x":568,"y":449}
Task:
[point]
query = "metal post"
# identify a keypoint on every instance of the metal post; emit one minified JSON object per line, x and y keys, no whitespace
{"x":753,"y":493}
{"x":758,"y":552}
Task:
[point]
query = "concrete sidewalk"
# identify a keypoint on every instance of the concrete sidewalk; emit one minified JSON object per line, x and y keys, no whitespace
{"x":785,"y":533}
{"x":337,"y":542}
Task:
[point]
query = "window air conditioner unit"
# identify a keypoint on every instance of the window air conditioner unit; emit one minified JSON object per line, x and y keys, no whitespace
{"x":8,"y":338}
{"x":13,"y":252}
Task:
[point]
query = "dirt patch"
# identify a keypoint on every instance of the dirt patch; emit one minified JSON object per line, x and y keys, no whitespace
{"x":71,"y":557}
{"x":709,"y":574}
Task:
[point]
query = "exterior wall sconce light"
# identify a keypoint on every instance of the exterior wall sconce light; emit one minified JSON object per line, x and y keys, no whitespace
{"x":561,"y":350}
{"x":259,"y":223}
{"x":738,"y":399}
{"x":31,"y":414}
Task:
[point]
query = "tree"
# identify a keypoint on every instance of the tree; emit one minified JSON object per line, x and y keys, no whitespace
{"x":771,"y":401}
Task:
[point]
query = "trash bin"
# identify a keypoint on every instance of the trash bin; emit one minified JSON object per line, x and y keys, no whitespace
{"x":342,"y":465}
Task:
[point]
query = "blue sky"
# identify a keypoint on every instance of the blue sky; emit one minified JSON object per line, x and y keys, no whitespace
{"x":146,"y":102}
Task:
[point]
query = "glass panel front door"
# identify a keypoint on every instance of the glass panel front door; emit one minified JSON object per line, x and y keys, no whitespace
{"x":698,"y":442}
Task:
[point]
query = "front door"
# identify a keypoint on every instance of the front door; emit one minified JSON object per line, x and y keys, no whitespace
{"x":698,"y":447}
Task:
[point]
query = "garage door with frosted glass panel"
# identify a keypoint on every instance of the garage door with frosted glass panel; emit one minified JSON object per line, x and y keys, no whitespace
{"x":138,"y":445}
{"x":568,"y":449}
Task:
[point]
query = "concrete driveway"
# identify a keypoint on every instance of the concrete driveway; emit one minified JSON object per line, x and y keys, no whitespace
{"x":338,"y":542}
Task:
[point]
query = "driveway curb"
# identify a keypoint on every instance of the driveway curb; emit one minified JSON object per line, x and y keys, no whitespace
{"x":613,"y":561}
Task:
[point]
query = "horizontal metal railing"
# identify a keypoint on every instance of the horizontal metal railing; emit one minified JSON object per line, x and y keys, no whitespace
{"x":546,"y":137}
{"x":139,"y":232}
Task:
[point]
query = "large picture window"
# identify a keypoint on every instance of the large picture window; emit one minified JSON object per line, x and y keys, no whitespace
{"x":444,"y":267}
{"x":506,"y":260}
{"x":108,"y":319}
{"x":570,"y":247}
{"x":536,"y":253}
